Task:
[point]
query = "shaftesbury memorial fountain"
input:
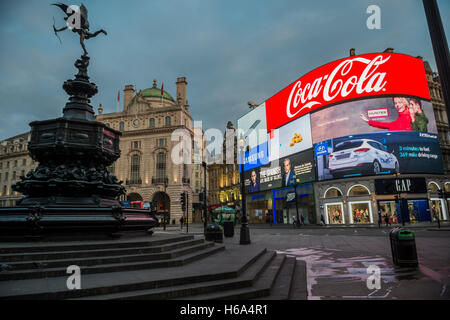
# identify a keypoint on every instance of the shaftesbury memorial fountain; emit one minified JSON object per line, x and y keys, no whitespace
{"x":71,"y":188}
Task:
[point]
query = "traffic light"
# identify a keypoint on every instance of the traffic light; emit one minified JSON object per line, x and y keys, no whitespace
{"x":183,"y":201}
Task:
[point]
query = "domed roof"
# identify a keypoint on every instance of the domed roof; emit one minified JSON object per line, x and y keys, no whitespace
{"x":155,"y":92}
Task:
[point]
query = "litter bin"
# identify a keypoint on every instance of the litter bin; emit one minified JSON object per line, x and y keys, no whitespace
{"x":228,"y":229}
{"x":403,"y":247}
{"x":214,"y":233}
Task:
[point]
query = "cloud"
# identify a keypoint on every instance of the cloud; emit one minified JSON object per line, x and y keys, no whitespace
{"x":229,"y":51}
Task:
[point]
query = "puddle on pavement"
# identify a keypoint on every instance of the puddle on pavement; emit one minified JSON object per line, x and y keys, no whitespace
{"x":332,"y":274}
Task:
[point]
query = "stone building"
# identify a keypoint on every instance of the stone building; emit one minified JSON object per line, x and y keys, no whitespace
{"x":14,"y":162}
{"x":224,"y":179}
{"x":145,"y":166}
{"x":440,"y":114}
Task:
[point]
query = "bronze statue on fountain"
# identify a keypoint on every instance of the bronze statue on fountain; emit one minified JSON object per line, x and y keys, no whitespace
{"x":71,"y":188}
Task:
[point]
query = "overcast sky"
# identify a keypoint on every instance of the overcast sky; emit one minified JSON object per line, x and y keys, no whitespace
{"x":230,"y":51}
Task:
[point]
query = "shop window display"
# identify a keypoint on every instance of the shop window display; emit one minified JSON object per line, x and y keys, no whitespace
{"x":388,"y":210}
{"x":437,"y":210}
{"x":360,"y":212}
{"x":334,"y":212}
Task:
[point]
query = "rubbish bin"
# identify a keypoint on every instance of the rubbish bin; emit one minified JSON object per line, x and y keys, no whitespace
{"x":228,"y":229}
{"x":214,"y":233}
{"x":403,"y":247}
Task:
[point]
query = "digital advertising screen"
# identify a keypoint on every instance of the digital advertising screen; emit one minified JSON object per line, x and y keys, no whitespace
{"x":362,"y":115}
{"x":287,"y":171}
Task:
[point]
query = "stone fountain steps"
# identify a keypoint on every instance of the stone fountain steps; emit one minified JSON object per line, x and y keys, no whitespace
{"x":10,"y":248}
{"x":134,"y":249}
{"x":193,"y":270}
{"x":200,"y":252}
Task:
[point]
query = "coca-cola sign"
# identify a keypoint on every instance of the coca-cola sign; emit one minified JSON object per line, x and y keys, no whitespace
{"x":354,"y":77}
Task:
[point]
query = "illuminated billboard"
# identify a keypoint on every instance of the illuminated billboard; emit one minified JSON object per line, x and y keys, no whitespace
{"x":287,"y":171}
{"x":356,"y":77}
{"x":361,"y":115}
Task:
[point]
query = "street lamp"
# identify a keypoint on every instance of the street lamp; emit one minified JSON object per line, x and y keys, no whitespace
{"x":245,"y":232}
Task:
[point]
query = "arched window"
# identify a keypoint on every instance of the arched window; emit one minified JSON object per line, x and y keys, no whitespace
{"x":333,"y":193}
{"x":433,"y":187}
{"x":122,"y":126}
{"x":161,"y":166}
{"x":358,"y":190}
{"x":152,"y":122}
{"x":168,"y":121}
{"x":135,"y":169}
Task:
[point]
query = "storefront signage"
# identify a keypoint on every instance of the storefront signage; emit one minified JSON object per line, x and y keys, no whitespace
{"x":400,"y":185}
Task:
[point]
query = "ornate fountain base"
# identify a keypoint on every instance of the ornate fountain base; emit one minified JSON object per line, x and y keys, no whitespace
{"x":71,"y":188}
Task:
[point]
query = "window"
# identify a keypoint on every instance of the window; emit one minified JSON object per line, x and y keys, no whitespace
{"x":15,"y":163}
{"x":152,"y":122}
{"x":24,"y":162}
{"x":22,"y":173}
{"x":333,"y":193}
{"x":122,"y":126}
{"x":7,"y":165}
{"x":4,"y":190}
{"x":168,"y":121}
{"x":358,"y":191}
{"x":135,"y":144}
{"x":6,"y":176}
{"x":14,"y":175}
{"x":161,"y":142}
{"x":135,"y":168}
{"x":433,"y":187}
{"x":1,"y":165}
{"x":161,"y":166}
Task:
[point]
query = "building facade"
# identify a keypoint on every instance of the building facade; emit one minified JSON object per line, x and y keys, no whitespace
{"x":147,"y":122}
{"x":392,"y":198}
{"x":223,"y":174}
{"x":14,"y":162}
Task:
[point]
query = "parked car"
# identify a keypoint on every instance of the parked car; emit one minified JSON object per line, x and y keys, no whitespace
{"x":361,"y":156}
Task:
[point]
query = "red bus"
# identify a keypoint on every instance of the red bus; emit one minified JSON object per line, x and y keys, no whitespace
{"x":141,"y":204}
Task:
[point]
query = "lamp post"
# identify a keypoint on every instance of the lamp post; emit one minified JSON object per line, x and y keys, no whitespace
{"x":245,"y":232}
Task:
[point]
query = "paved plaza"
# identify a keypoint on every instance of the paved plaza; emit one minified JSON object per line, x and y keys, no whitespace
{"x":337,"y":259}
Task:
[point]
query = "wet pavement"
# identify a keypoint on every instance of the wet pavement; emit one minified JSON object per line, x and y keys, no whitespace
{"x":337,"y":261}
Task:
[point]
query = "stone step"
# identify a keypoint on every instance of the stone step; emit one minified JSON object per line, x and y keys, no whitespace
{"x":283,"y":283}
{"x":9,"y":248}
{"x":261,"y":284}
{"x":188,"y":290}
{"x":299,"y":288}
{"x":59,"y":255}
{"x":228,"y":264}
{"x":56,"y":272}
{"x":102,"y":260}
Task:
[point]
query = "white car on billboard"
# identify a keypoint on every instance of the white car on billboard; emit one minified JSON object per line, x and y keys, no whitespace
{"x":361,"y":156}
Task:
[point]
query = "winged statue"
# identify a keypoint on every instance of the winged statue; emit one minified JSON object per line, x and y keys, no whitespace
{"x":77,"y":21}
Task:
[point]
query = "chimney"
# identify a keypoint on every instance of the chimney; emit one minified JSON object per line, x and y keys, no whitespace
{"x":128,"y":93}
{"x":181,"y":90}
{"x":352,"y":52}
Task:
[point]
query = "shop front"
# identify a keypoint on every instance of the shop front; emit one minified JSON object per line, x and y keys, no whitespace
{"x":293,"y":203}
{"x":402,"y":200}
{"x":259,"y":207}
